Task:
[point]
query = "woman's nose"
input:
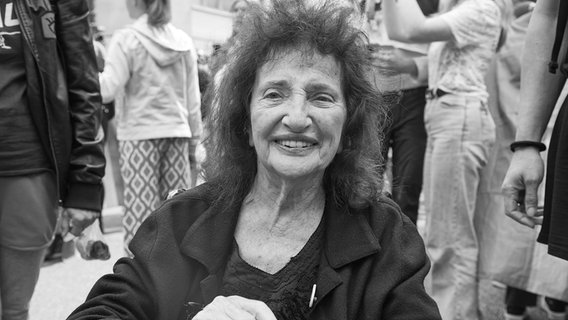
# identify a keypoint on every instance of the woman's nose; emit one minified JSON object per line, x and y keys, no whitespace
{"x":297,"y":117}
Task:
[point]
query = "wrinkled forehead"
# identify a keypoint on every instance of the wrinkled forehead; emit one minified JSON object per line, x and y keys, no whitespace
{"x":304,"y":57}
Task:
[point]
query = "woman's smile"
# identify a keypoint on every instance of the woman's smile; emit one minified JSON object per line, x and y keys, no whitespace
{"x":296,"y":143}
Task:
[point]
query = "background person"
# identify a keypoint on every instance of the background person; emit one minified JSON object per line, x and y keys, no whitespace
{"x":50,"y":137}
{"x":511,"y":255}
{"x":463,"y":39}
{"x":238,"y":8}
{"x":397,"y":77}
{"x":156,"y":65}
{"x":291,"y":223}
{"x":541,"y":84}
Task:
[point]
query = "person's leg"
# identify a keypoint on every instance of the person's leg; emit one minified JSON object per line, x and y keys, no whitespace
{"x":28,"y":214}
{"x":409,"y":147}
{"x":139,"y":168}
{"x":194,"y":165}
{"x":19,"y":272}
{"x":388,"y":131}
{"x":175,"y":169}
{"x":462,"y":131}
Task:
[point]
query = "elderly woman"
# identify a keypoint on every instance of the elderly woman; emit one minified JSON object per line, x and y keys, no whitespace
{"x":291,"y":223}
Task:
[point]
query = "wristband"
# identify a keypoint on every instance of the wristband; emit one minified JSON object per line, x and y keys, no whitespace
{"x":534,"y":144}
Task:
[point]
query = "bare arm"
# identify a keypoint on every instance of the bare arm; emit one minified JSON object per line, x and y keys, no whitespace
{"x":405,"y":22}
{"x":539,"y":88}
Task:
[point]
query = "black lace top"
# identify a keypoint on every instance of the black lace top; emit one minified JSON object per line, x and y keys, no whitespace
{"x":287,"y":292}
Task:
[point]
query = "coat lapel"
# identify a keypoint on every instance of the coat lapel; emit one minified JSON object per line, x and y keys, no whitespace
{"x":349,"y":237}
{"x":209,"y":241}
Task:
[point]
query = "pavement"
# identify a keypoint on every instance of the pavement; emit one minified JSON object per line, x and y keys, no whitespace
{"x":63,"y":286}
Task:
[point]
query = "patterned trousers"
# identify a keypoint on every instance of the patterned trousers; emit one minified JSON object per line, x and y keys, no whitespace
{"x":150,"y":169}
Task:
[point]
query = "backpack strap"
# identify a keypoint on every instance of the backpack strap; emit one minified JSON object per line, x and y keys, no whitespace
{"x":560,"y":27}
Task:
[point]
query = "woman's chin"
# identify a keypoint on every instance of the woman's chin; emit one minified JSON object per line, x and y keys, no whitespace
{"x":296,"y":173}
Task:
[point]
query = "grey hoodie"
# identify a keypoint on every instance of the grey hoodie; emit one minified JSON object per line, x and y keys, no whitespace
{"x":166,"y":45}
{"x":157,"y":69}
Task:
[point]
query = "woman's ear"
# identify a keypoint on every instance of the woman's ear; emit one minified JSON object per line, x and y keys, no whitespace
{"x":248,"y":132}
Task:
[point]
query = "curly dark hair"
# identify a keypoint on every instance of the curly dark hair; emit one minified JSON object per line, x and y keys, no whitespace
{"x":354,"y":176}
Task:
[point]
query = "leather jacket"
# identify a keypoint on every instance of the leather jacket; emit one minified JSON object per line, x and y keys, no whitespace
{"x":64,"y":95}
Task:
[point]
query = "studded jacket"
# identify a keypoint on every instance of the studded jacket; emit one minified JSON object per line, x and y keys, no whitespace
{"x":64,"y":95}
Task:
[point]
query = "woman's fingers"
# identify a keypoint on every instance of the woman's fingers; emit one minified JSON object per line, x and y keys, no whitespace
{"x":222,"y":308}
{"x":257,"y":308}
{"x":521,"y":218}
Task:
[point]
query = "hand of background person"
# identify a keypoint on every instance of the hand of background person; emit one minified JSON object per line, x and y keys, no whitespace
{"x":392,"y":61}
{"x":74,"y":221}
{"x":235,"y":307}
{"x":520,"y":187}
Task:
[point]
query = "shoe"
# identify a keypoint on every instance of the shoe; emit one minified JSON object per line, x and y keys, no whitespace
{"x":54,"y":252}
{"x":509,"y":316}
{"x":551,"y":315}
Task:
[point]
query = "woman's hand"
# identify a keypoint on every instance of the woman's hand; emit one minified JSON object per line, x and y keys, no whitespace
{"x":520,"y":186}
{"x":233,"y":308}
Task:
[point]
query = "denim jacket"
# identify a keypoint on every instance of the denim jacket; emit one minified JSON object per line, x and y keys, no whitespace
{"x":64,"y":95}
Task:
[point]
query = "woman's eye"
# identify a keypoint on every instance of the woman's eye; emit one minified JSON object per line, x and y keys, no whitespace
{"x":324,"y":98}
{"x":272,"y":95}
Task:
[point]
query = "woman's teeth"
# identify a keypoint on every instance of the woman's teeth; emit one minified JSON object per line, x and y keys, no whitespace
{"x":294,"y":143}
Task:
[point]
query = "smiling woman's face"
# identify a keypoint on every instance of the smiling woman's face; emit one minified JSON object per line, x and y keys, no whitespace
{"x":297,"y":113}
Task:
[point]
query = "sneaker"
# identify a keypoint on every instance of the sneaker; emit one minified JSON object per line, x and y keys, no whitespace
{"x":54,"y":252}
{"x":551,"y":315}
{"x":509,"y":316}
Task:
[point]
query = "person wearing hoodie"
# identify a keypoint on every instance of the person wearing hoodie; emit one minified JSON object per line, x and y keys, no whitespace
{"x":155,"y":64}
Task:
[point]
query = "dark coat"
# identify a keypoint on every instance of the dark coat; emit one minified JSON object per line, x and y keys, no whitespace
{"x":372,"y":267}
{"x":64,"y":95}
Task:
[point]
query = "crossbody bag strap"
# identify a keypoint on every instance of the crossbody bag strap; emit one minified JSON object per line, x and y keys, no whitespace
{"x":560,"y":27}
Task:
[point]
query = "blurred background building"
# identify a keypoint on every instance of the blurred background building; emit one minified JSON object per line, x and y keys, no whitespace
{"x":208,"y":22}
